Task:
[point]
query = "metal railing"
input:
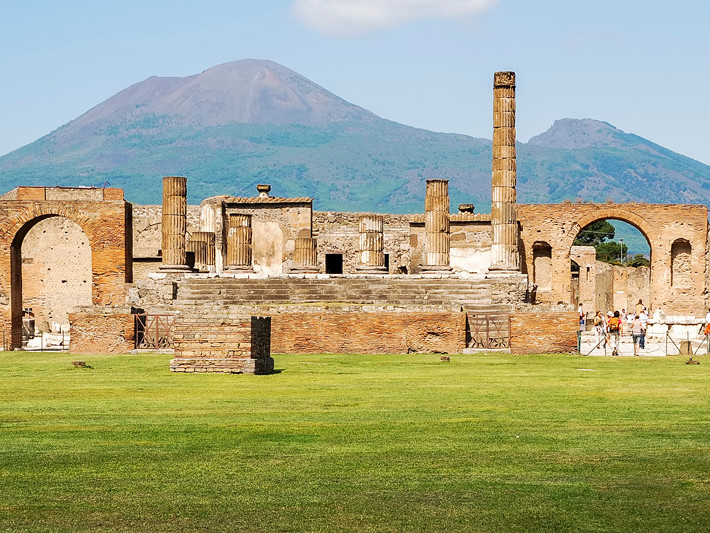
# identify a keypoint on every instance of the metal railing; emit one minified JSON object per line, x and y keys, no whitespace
{"x":154,"y":331}
{"x":488,"y":331}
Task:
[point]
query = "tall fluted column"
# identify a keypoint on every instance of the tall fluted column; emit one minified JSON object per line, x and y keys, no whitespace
{"x":207,"y":218}
{"x":202,"y":244}
{"x":174,"y":224}
{"x":504,"y":216}
{"x":372,"y":257}
{"x":436,"y":226}
{"x":239,"y":243}
{"x":305,"y":258}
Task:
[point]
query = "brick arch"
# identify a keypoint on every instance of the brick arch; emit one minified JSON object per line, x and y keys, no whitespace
{"x":615,"y":213}
{"x":105,"y":221}
{"x":660,"y":224}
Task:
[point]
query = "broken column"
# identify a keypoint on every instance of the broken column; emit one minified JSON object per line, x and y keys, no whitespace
{"x":174,"y":224}
{"x":202,"y":244}
{"x":239,"y":243}
{"x":305,"y":257}
{"x":436,"y":227}
{"x":504,"y":217}
{"x":372,"y":257}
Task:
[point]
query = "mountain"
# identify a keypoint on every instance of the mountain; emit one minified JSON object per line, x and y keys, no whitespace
{"x":252,"y":121}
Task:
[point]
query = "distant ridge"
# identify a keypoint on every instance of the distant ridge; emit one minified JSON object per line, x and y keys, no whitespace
{"x":254,"y":121}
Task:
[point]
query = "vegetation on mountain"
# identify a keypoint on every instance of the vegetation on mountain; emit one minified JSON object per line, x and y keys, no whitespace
{"x":249,"y":122}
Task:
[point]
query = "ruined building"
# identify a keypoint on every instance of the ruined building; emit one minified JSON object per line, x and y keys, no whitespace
{"x":171,"y":276}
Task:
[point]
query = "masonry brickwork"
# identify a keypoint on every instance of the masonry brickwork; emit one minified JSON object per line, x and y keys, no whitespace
{"x":103,"y":216}
{"x":543,"y":332}
{"x":363,"y":332}
{"x":684,"y":227}
{"x":220,"y":342}
{"x":94,"y":333}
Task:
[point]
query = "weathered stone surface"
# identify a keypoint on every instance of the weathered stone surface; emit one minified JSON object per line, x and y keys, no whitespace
{"x":94,"y":333}
{"x":217,"y":342}
{"x":543,"y":332}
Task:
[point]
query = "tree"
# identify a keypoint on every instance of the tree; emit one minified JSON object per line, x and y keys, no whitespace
{"x":639,"y":261}
{"x":611,"y":252}
{"x":595,"y":233}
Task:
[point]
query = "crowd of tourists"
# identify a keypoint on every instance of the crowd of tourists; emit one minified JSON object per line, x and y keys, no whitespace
{"x":609,"y":328}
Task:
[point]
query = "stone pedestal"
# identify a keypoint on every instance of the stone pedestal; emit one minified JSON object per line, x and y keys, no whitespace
{"x":436,"y":228}
{"x":174,"y":224}
{"x":504,"y":218}
{"x":222,"y":343}
{"x":372,"y":257}
{"x":239,"y":243}
{"x":305,"y":257}
{"x":202,"y":244}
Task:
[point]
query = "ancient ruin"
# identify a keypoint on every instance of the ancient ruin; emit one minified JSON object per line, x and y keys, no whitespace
{"x":226,"y":283}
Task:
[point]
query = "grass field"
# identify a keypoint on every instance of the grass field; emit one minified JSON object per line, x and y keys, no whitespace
{"x":356,"y":443}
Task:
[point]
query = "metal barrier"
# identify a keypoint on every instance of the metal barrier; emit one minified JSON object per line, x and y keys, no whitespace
{"x":154,"y":331}
{"x":489,"y":331}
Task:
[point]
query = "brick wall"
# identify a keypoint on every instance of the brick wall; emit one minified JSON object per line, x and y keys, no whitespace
{"x":419,"y":332}
{"x":557,"y":225}
{"x":100,"y":334}
{"x":233,"y":345}
{"x":543,"y":332}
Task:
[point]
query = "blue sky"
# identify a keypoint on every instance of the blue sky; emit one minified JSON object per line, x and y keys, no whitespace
{"x":639,"y":65}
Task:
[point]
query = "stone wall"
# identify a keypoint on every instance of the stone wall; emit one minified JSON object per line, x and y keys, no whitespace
{"x":230,"y":344}
{"x":543,"y":332}
{"x":101,"y":333}
{"x":673,"y":232}
{"x":338,"y":233}
{"x":147,"y":231}
{"x":360,"y":332}
{"x":56,"y":271}
{"x":102,"y":215}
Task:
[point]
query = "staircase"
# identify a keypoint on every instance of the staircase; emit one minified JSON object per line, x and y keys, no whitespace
{"x":416,"y":292}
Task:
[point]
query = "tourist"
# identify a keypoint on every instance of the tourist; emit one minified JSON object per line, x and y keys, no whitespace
{"x":707,"y":323}
{"x":599,"y":329}
{"x":614,"y":326}
{"x":639,"y":307}
{"x":636,"y":330}
{"x":580,"y":312}
{"x":643,"y":317}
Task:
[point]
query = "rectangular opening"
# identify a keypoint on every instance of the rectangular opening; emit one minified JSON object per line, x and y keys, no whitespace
{"x":387,"y":262}
{"x":333,"y":263}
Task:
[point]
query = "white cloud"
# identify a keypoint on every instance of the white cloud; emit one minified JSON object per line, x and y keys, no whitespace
{"x":361,"y":16}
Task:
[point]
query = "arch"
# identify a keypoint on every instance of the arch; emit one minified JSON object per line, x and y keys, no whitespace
{"x":18,"y":238}
{"x":681,"y":252}
{"x":614,"y":213}
{"x":105,"y":220}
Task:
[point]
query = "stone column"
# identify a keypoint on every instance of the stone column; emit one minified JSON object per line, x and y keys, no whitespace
{"x":436,"y":227}
{"x":504,"y":216}
{"x":305,"y":257}
{"x":207,"y":218}
{"x":239,"y":244}
{"x":372,"y":257}
{"x":174,"y":224}
{"x":202,"y":244}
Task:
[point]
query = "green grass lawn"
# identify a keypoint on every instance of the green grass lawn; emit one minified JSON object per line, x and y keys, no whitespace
{"x":356,"y":443}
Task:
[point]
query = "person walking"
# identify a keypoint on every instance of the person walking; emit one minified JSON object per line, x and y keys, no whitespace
{"x":636,"y":330}
{"x":643,"y":317}
{"x":614,"y":326}
{"x":599,"y":329}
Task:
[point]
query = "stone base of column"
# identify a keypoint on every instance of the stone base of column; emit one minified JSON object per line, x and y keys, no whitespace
{"x":364,"y":269}
{"x":174,"y":268}
{"x":503,"y":269}
{"x":438,"y":270}
{"x":264,"y":365}
{"x":233,"y":268}
{"x":304,"y":270}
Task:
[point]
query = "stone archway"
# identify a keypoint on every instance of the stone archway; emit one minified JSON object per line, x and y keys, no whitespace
{"x":103,"y":216}
{"x":661,"y":225}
